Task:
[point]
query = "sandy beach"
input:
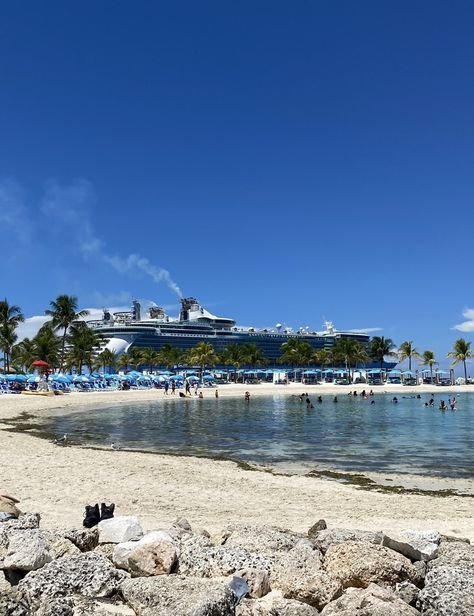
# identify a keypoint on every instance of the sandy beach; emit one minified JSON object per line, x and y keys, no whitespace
{"x":59,"y":481}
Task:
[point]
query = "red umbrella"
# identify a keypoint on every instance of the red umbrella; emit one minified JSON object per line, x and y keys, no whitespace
{"x":39,"y":363}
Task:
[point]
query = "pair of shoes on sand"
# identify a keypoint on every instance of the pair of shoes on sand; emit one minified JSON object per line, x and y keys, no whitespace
{"x":93,"y":516}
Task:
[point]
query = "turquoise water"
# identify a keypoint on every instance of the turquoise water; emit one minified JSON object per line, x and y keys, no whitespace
{"x":352,"y":435}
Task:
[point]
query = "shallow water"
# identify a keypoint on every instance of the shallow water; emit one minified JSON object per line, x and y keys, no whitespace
{"x":352,"y":435}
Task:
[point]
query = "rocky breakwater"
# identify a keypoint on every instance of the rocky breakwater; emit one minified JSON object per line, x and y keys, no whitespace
{"x":116,"y":569}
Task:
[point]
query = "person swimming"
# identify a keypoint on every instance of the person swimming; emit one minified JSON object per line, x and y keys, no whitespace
{"x":395,"y":400}
{"x":442,"y":406}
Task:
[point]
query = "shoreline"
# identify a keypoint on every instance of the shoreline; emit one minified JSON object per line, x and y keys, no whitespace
{"x":209,"y":492}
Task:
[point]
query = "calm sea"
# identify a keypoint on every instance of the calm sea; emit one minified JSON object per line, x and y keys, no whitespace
{"x":352,"y":435}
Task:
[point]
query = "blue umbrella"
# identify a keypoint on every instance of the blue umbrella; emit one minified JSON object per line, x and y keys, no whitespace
{"x":16,"y":378}
{"x":177,"y":377}
{"x":95,"y":375}
{"x":208,"y":377}
{"x":61,"y":378}
{"x":34,"y":378}
{"x":80,"y":378}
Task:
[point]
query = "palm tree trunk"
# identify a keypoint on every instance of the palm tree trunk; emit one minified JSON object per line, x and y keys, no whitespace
{"x":465,"y":372}
{"x":62,"y":349}
{"x":409,"y":363}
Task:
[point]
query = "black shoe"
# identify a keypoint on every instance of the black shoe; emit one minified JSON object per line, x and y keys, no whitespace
{"x":91,"y":516}
{"x":107,"y":511}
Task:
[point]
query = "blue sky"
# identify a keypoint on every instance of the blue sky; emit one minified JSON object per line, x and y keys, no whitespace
{"x":284,"y":162}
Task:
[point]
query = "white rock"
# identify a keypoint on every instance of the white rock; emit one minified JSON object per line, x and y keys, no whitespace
{"x":154,"y":554}
{"x":120,"y":529}
{"x":416,"y":545}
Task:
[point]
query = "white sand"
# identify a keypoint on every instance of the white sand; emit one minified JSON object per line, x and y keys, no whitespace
{"x":59,"y":481}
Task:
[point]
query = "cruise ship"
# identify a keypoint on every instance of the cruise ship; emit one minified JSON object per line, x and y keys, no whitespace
{"x":124,"y":330}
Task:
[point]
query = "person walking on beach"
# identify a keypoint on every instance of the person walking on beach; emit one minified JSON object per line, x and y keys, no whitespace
{"x":167,"y":386}
{"x":188,"y":389}
{"x":216,"y":393}
{"x":173,"y":387}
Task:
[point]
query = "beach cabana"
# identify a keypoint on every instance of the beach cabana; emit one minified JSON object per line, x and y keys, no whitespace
{"x":375,"y":376}
{"x":428,"y":377}
{"x":394,"y":377}
{"x":443,"y":377}
{"x":409,"y":378}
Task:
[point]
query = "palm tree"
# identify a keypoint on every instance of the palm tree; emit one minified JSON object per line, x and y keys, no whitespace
{"x":251,"y":355}
{"x":106,"y":359}
{"x":83,"y":345}
{"x":407,"y":351}
{"x":232,"y":356}
{"x":135,"y":357}
{"x":123,"y":361}
{"x":64,"y":312}
{"x":10,"y":318}
{"x":379,"y":347}
{"x":202,"y":355}
{"x":323,"y":357}
{"x":149,"y":357}
{"x":296,"y":352}
{"x":428,"y":359}
{"x":47,"y":345}
{"x":24,"y":353}
{"x":350,"y":352}
{"x":169,"y":356}
{"x":461,"y":353}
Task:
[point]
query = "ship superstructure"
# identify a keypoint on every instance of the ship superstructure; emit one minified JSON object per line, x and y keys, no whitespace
{"x":124,"y":330}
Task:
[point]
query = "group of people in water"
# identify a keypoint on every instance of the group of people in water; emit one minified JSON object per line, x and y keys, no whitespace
{"x":442,"y":405}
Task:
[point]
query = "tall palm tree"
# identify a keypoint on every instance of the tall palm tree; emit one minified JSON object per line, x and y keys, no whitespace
{"x":123,"y":361}
{"x":149,"y":357}
{"x":107,"y":359}
{"x":10,"y":317}
{"x":203,"y":355}
{"x":428,"y":359}
{"x":232,"y":356}
{"x":296,"y":353}
{"x":251,"y":355}
{"x":461,"y":353}
{"x":407,"y":351}
{"x":380,"y":347}
{"x":64,"y":312}
{"x":350,"y":352}
{"x":135,"y":357}
{"x":323,"y":357}
{"x":84,"y":343}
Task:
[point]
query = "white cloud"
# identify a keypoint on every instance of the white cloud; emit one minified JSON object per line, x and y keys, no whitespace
{"x":366,"y":330}
{"x":468,"y":324}
{"x":30,"y":327}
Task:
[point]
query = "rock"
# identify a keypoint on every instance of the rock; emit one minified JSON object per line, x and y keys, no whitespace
{"x":370,"y":601}
{"x":154,"y":554}
{"x":5,"y":585}
{"x":357,"y":563}
{"x":101,"y":607}
{"x":14,"y":604}
{"x":420,"y":566}
{"x":448,"y":591}
{"x":314,"y":530}
{"x":407,"y":592}
{"x":261,"y":539}
{"x":183,"y":524}
{"x":106,"y":549}
{"x":326,"y":538}
{"x":174,"y":595}
{"x":456,"y":553}
{"x":88,"y":574}
{"x":258,"y":582}
{"x":59,"y":546}
{"x":416,"y":545}
{"x":85,"y":539}
{"x":274,"y":604}
{"x":25,"y":550}
{"x":120,"y":529}
{"x":299,"y":575}
{"x":202,"y":559}
{"x":24,"y":522}
{"x":448,"y":538}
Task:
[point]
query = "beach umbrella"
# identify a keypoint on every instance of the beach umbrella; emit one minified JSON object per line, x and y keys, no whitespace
{"x":95,"y":375}
{"x":111,"y":377}
{"x":208,"y":377}
{"x":60,"y":378}
{"x":16,"y":378}
{"x":80,"y":378}
{"x":192,"y":378}
{"x":34,"y":378}
{"x":176,"y":377}
{"x":159,"y":378}
{"x":39,"y":363}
